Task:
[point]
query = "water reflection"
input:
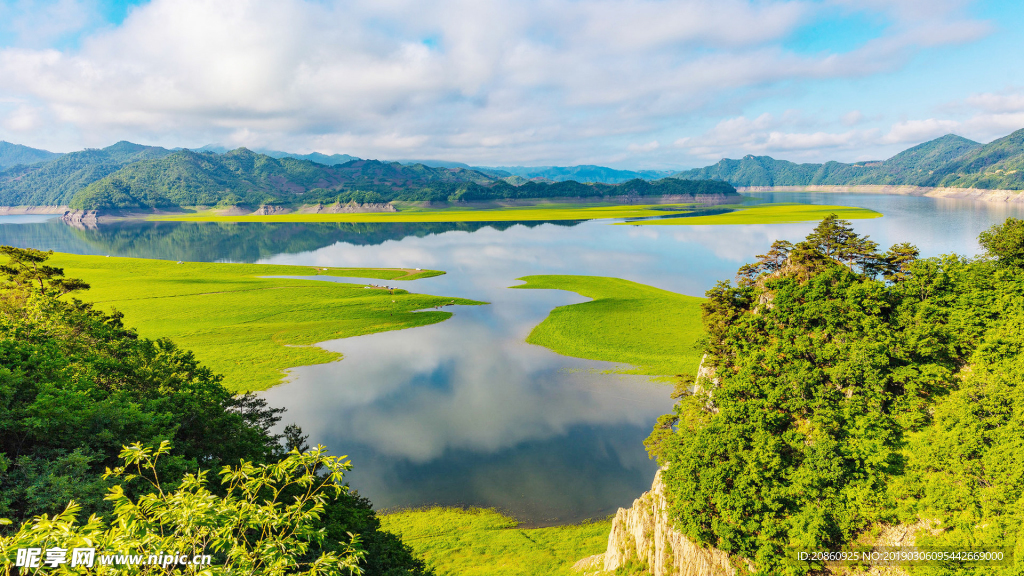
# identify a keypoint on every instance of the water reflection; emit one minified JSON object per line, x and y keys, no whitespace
{"x":216,"y":241}
{"x":434,"y":415}
{"x":464,"y":412}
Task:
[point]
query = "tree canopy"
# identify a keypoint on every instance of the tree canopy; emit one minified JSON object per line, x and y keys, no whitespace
{"x":828,"y":394}
{"x":76,"y":386}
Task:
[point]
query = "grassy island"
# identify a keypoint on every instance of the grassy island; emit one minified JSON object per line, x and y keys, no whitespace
{"x":653,"y":329}
{"x":540,"y":212}
{"x":480,"y":542}
{"x":648,"y":214}
{"x":767,"y":214}
{"x":245,"y":326}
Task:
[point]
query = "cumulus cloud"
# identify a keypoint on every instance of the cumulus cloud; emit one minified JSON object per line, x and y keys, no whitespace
{"x":773,"y":135}
{"x":524,"y":81}
{"x":982,"y":117}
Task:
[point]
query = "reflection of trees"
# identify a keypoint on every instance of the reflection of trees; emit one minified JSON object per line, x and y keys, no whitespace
{"x":239,"y":242}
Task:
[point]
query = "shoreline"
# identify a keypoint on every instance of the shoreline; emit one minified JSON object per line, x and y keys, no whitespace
{"x":986,"y":194}
{"x":19,"y":210}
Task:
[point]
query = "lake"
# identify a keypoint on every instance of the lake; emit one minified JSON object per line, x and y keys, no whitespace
{"x":465,"y":412}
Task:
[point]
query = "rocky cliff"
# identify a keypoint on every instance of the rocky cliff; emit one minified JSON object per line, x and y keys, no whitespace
{"x":643,"y":537}
{"x":82,"y":219}
{"x":644,"y":541}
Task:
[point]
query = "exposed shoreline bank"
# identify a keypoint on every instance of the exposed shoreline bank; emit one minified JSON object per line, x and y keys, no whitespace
{"x":19,"y":210}
{"x":988,"y":195}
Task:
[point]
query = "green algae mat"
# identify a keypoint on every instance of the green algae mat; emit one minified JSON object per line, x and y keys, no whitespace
{"x":654,"y":330}
{"x":479,"y":542}
{"x":766,"y":214}
{"x":246,"y":327}
{"x":648,"y":214}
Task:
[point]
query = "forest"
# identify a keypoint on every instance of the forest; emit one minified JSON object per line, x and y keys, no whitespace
{"x":844,"y":389}
{"x":85,"y":401}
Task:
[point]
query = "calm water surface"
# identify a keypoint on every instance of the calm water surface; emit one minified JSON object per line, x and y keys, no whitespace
{"x":464,"y":412}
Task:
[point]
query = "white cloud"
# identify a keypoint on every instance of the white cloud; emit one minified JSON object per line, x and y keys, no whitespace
{"x":773,"y":135}
{"x":22,"y":119}
{"x":853,"y":117}
{"x":526,"y":81}
{"x":649,"y":147}
{"x":917,"y":131}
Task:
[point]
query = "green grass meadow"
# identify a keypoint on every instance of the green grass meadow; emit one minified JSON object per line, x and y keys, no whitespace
{"x":245,"y":327}
{"x":479,"y":542}
{"x":753,"y":214}
{"x":652,"y":329}
{"x":766,"y":214}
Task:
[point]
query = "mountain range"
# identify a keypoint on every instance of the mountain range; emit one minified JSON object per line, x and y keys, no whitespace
{"x":127,"y":175}
{"x":947,"y":162}
{"x":136,"y":177}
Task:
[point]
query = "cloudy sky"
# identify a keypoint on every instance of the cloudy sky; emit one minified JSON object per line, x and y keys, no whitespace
{"x":626,"y":83}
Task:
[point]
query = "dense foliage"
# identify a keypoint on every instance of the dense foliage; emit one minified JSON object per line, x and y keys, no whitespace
{"x":844,"y":388}
{"x":949,"y":161}
{"x":265,"y":523}
{"x":76,"y":386}
{"x":56,"y":182}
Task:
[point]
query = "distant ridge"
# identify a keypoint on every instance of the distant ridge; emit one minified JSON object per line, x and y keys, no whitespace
{"x":583,"y":173}
{"x":328,"y":160}
{"x":312,"y":157}
{"x":17,"y":154}
{"x":950,"y":161}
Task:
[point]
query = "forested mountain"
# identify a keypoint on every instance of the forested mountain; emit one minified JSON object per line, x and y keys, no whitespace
{"x":14,"y":154}
{"x":131,"y":176}
{"x":187,"y":178}
{"x":999,"y":164}
{"x":949,"y":161}
{"x":55,"y":182}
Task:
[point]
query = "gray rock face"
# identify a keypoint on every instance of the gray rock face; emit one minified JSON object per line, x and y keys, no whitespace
{"x":82,"y":219}
{"x":269,"y":210}
{"x":644,"y":534}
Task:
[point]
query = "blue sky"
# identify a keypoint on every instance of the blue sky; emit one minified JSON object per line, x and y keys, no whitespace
{"x":625,"y":83}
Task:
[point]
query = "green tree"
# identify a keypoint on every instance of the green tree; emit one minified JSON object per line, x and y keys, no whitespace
{"x":252,"y":528}
{"x":25,"y":268}
{"x":898,"y":261}
{"x":834,"y":238}
{"x":1005,"y":242}
{"x":819,"y":373}
{"x":76,"y":385}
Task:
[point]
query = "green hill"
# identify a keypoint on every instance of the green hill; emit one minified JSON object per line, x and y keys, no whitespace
{"x":917,"y":165}
{"x":949,"y":161}
{"x":999,"y":165}
{"x":16,"y":154}
{"x":187,"y":178}
{"x":56,"y":182}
